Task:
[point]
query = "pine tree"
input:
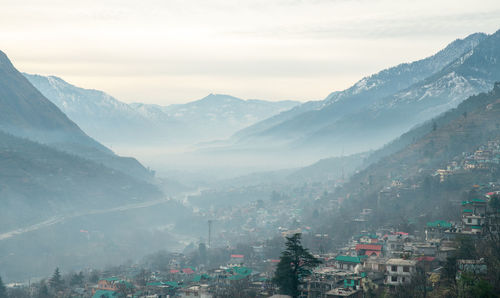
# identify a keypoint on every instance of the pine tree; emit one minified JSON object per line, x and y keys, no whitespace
{"x":56,"y":282}
{"x":43,"y":291}
{"x":295,"y":263}
{"x":3,"y":290}
{"x":77,"y":279}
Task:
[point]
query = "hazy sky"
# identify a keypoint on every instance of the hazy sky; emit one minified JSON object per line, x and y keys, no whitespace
{"x":172,"y":51}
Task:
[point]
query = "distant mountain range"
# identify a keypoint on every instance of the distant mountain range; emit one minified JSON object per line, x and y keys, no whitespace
{"x":382,"y":106}
{"x":26,"y":113}
{"x":114,"y":122}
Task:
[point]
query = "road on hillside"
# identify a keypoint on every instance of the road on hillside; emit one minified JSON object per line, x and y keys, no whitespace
{"x":183,"y":198}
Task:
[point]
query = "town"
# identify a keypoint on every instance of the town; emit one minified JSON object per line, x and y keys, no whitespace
{"x":443,"y":257}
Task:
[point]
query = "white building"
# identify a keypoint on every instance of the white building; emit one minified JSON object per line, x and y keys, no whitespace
{"x":399,"y":271}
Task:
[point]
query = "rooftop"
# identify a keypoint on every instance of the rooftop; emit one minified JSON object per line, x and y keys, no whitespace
{"x":342,"y":292}
{"x":439,"y":224}
{"x":348,"y":259}
{"x":401,"y":262}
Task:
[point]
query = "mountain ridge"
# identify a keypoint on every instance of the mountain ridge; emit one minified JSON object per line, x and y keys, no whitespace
{"x":306,"y":127}
{"x":26,"y":113}
{"x":111,"y":121}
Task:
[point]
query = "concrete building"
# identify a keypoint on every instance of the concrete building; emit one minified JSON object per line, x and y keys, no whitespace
{"x":399,"y":271}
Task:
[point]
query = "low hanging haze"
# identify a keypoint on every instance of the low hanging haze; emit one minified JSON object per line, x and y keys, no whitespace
{"x":174,"y":51}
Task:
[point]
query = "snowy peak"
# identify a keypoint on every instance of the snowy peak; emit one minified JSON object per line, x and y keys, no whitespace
{"x":381,"y":106}
{"x":114,"y":122}
{"x":72,"y":99}
{"x":403,"y":75}
{"x":218,"y":98}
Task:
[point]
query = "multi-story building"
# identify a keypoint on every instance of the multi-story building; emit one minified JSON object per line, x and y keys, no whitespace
{"x":473,"y":215}
{"x":399,"y":271}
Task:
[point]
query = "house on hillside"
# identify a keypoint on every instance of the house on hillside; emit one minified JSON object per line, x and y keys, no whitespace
{"x":436,"y":229}
{"x":342,"y":293}
{"x":473,"y":216}
{"x":399,"y":271}
{"x":349,"y":263}
{"x":110,"y":287}
{"x":394,"y":245}
{"x":236,"y":260}
{"x":477,"y":267}
{"x":369,"y":249}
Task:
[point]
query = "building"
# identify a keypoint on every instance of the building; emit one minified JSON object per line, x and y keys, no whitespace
{"x":368,"y":249}
{"x":349,"y":263}
{"x":472,"y":266}
{"x":399,"y":271}
{"x":473,"y":216}
{"x":436,"y":229}
{"x":341,"y":292}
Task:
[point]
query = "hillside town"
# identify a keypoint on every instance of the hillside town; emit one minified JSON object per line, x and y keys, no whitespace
{"x":370,"y":264}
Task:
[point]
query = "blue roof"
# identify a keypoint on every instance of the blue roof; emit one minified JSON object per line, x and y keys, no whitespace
{"x":348,"y":259}
{"x":105,"y":293}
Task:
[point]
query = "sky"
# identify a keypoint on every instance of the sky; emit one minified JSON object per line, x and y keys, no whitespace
{"x":175,"y":51}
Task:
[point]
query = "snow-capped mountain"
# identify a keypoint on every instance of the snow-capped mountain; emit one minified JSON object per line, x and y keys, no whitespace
{"x":380,"y":107}
{"x":114,"y":122}
{"x":26,"y":113}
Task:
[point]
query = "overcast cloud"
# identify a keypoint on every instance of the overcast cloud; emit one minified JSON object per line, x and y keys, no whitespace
{"x":179,"y":50}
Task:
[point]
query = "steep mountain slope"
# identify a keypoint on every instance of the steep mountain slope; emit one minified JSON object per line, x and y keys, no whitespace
{"x":57,"y":209}
{"x":324,"y":126}
{"x":25,"y":112}
{"x":388,"y":117}
{"x":114,"y":122}
{"x":37,"y":182}
{"x":266,"y":124}
{"x":429,"y":147}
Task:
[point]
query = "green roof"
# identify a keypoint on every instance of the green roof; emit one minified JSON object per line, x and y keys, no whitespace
{"x":239,"y":270}
{"x":467,"y":210}
{"x":439,"y":224}
{"x":172,"y":284}
{"x":199,"y":277}
{"x":242,"y":270}
{"x":105,"y":293}
{"x":476,"y":227}
{"x":348,"y":259}
{"x":349,"y":283}
{"x":239,"y":273}
{"x":237,"y":277}
{"x":473,"y":201}
{"x":372,"y":236}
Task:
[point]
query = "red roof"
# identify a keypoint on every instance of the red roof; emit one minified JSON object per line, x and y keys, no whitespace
{"x":174,"y":271}
{"x":372,"y":252}
{"x":275,"y":261}
{"x":237,"y":256}
{"x":369,"y":246}
{"x":188,"y":271}
{"x":427,"y":259}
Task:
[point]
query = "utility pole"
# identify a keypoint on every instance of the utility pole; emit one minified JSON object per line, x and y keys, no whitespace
{"x":210,"y":233}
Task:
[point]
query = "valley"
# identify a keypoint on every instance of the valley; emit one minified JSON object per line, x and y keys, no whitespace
{"x":402,"y":169}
